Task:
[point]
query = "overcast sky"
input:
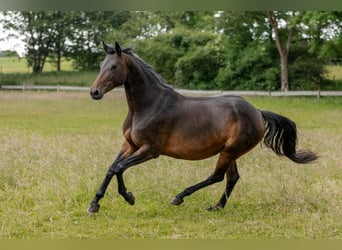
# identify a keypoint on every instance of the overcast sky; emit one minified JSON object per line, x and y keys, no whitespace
{"x":10,"y":44}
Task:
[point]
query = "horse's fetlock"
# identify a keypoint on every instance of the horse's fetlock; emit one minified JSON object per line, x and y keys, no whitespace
{"x":99,"y":195}
{"x":122,"y":191}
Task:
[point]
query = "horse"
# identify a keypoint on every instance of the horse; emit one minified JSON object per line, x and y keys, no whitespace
{"x":161,"y":121}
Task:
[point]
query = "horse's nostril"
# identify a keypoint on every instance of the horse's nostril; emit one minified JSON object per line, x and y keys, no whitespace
{"x":95,"y":93}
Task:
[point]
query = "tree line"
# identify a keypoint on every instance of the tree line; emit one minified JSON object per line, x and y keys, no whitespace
{"x":257,"y":50}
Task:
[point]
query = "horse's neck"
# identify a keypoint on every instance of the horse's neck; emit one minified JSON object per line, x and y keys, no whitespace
{"x":142,"y":92}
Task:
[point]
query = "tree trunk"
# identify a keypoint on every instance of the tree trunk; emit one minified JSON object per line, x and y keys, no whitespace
{"x":59,"y":62}
{"x":283,"y":50}
{"x":284,"y":73}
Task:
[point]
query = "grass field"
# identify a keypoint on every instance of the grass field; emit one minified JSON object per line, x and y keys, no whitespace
{"x":334,"y":72}
{"x":56,"y":147}
{"x":19,"y":65}
{"x":14,"y":71}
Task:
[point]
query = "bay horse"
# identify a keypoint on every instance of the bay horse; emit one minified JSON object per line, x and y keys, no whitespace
{"x":161,"y":121}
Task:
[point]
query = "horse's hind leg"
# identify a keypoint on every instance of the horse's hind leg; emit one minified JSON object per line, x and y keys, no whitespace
{"x":232,"y":176}
{"x":217,"y":176}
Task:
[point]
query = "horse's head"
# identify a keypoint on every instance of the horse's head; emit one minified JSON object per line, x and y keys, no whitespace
{"x":113,"y":72}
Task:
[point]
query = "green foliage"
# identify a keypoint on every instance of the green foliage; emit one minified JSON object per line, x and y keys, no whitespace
{"x":252,"y":68}
{"x":72,"y":34}
{"x":161,"y":53}
{"x":188,"y":59}
{"x":88,"y":31}
{"x":329,"y":84}
{"x":8,"y":53}
{"x":324,"y":29}
{"x":306,"y":70}
{"x":203,"y":57}
{"x":190,"y":49}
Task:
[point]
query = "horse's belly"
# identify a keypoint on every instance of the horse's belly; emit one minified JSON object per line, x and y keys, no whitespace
{"x":192,"y":149}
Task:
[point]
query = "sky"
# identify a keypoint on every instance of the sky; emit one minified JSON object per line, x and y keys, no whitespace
{"x":12,"y":43}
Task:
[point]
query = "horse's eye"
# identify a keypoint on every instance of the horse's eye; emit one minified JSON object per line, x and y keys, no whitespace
{"x":114,"y":66}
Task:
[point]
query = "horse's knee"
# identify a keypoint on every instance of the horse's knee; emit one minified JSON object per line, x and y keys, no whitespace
{"x":119,"y":168}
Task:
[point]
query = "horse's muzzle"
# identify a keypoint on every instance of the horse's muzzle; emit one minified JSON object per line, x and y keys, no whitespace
{"x":96,"y":94}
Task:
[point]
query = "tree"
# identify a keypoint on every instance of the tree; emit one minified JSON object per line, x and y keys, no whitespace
{"x":283,"y":47}
{"x":53,"y":34}
{"x":258,"y":41}
{"x":39,"y":43}
{"x":200,"y":49}
{"x":203,"y":56}
{"x":45,"y":35}
{"x":250,"y":52}
{"x":87,"y":30}
{"x":182,"y":47}
{"x":324,"y":31}
{"x":306,"y":69}
{"x":59,"y":34}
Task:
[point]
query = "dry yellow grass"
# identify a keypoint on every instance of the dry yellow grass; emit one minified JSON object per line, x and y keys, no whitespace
{"x":334,"y":72}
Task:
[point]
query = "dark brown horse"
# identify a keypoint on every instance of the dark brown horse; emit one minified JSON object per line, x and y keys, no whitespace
{"x":161,"y":121}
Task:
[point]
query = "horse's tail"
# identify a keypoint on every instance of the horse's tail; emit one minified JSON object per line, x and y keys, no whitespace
{"x":281,"y":137}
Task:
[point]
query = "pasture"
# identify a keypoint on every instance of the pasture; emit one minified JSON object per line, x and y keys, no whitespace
{"x":55,"y":149}
{"x":19,"y":65}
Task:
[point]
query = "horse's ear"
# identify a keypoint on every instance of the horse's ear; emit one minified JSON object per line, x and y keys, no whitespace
{"x":107,"y":49}
{"x":118,"y":49}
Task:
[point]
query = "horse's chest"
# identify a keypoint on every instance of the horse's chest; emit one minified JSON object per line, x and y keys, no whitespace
{"x":144,"y":132}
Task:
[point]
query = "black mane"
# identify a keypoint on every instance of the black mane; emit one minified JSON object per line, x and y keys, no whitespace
{"x":146,"y":67}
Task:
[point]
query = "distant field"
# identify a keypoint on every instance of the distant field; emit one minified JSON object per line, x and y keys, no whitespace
{"x":56,"y":147}
{"x":334,"y":72}
{"x":14,"y":71}
{"x":19,"y":65}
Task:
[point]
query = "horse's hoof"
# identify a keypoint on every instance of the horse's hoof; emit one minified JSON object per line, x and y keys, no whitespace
{"x":177,"y":201}
{"x":130,"y":198}
{"x":93,"y":208}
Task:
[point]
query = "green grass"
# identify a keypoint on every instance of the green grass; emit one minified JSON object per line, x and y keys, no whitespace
{"x":19,"y":65}
{"x":14,"y":71}
{"x":56,"y":147}
{"x":66,"y":78}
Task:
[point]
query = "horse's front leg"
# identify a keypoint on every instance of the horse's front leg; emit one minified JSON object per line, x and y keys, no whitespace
{"x":128,"y":196}
{"x":125,"y":151}
{"x":123,"y":161}
{"x":141,"y":155}
{"x":94,"y":205}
